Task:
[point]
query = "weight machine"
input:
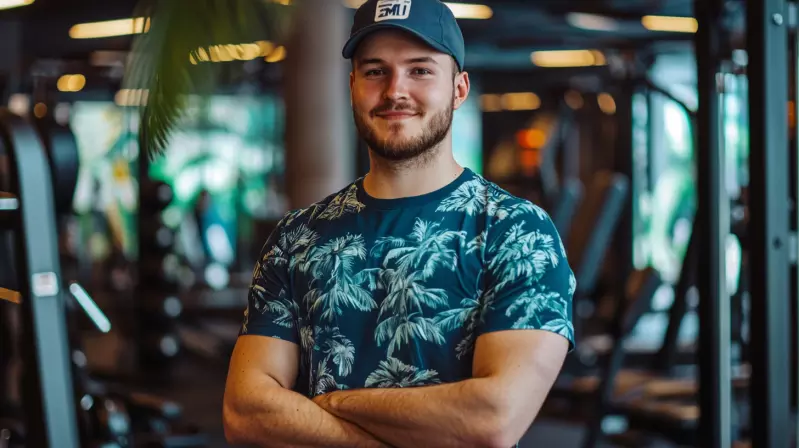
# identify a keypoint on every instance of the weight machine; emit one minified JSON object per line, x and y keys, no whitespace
{"x":61,"y":405}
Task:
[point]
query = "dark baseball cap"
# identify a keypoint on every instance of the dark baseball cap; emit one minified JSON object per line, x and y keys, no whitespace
{"x":430,"y":20}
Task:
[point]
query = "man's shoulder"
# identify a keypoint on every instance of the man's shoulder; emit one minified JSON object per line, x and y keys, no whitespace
{"x":502,"y":207}
{"x":333,"y":207}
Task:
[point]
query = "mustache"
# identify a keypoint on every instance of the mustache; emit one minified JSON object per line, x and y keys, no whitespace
{"x":392,"y":106}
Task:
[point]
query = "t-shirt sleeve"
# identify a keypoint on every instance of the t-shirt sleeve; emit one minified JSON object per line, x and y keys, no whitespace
{"x":528,"y":283}
{"x":271,"y":309}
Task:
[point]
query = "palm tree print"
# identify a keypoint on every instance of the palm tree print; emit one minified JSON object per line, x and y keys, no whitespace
{"x":344,"y":203}
{"x":393,"y":373}
{"x":297,"y":242}
{"x":323,"y":382}
{"x":331,"y":267}
{"x":246,"y":320}
{"x":537,"y":304}
{"x":469,"y":317}
{"x":470,"y":198}
{"x":285,"y":311}
{"x":476,"y":196}
{"x":340,"y":350}
{"x":520,"y":254}
{"x":407,"y":264}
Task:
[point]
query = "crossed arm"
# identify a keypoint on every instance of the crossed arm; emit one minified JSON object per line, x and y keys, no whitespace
{"x":512,"y":375}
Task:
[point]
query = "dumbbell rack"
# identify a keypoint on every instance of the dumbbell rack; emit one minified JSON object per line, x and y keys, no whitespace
{"x":29,"y":212}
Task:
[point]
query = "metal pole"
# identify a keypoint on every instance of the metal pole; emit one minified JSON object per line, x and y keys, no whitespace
{"x":49,"y":404}
{"x":767,"y":42}
{"x":713,"y":227}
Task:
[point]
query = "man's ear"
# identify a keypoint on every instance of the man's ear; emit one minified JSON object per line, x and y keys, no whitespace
{"x":352,"y":83}
{"x":462,"y":88}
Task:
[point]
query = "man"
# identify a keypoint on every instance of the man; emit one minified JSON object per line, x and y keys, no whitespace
{"x":421,"y":306}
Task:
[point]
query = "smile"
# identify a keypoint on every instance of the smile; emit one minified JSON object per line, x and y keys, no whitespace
{"x":396,"y":115}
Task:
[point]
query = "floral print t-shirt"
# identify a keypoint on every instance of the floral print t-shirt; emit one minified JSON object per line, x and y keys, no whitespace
{"x":395,"y":292}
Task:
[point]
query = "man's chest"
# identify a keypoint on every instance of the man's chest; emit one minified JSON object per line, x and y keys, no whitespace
{"x":402,"y":303}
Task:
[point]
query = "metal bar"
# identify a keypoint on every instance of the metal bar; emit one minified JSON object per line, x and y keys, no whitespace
{"x":712,"y":227}
{"x":767,"y":47}
{"x":8,"y":209}
{"x":50,"y":412}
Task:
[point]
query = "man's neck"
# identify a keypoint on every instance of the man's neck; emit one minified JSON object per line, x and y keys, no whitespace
{"x":391,"y":180}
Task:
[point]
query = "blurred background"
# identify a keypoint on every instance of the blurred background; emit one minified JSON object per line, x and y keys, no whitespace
{"x":590,"y":108}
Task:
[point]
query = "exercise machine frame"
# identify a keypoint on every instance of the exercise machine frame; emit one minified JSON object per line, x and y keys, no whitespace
{"x":48,"y":400}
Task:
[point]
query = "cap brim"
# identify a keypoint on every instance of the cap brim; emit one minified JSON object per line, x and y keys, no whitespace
{"x":357,"y":38}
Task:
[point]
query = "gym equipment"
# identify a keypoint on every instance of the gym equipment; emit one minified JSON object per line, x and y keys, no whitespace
{"x":591,"y":232}
{"x":51,"y":421}
{"x":106,"y":415}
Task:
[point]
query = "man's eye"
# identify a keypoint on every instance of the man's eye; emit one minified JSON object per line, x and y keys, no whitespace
{"x":421,"y":71}
{"x":374,"y":72}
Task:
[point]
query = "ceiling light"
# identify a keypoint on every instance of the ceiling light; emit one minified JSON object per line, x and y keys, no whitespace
{"x":8,"y":4}
{"x":459,"y":10}
{"x":606,"y":103}
{"x":470,"y":11}
{"x":670,"y":24}
{"x":568,"y":58}
{"x":110,"y":28}
{"x":71,"y":83}
{"x":592,"y":22}
{"x":131,"y":97}
{"x":277,"y":55}
{"x":520,"y":101}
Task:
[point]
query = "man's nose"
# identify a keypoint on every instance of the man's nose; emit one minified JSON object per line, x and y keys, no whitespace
{"x":396,"y":88}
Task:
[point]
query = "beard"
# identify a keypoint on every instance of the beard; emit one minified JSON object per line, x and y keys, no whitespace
{"x":399,"y":149}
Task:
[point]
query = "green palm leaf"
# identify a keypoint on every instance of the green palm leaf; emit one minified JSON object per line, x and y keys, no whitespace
{"x":160,"y":61}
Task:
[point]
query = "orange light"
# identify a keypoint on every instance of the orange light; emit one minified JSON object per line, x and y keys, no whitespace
{"x":531,"y":138}
{"x":791,"y":114}
{"x":529,"y":159}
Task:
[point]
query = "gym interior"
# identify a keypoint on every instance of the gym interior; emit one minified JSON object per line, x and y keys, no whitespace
{"x":660,"y":136}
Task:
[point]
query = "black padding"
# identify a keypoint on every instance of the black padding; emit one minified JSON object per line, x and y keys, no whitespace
{"x":64,"y":158}
{"x":594,"y":225}
{"x":564,"y":208}
{"x":640,"y":289}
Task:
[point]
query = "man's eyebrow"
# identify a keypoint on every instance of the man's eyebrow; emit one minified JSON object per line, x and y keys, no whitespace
{"x":407,"y":61}
{"x":422,"y":59}
{"x":370,"y":61}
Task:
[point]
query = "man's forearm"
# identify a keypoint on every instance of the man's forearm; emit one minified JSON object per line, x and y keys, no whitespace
{"x":277,"y":418}
{"x":459,"y":414}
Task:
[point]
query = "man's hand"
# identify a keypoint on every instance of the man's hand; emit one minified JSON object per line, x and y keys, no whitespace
{"x":260,"y":409}
{"x":514,"y":371}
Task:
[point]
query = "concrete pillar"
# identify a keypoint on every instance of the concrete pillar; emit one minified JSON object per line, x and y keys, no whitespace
{"x":320,"y":148}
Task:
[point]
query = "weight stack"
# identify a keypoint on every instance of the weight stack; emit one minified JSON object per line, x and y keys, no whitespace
{"x":158,"y":304}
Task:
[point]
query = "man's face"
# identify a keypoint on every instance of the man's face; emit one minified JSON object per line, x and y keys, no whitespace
{"x":403,"y":94}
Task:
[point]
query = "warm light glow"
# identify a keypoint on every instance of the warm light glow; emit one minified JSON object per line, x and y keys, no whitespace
{"x":671,"y":24}
{"x":109,"y":28}
{"x":606,"y":103}
{"x":491,"y":102}
{"x":520,"y":101}
{"x":40,"y":110}
{"x":531,"y":138}
{"x":459,"y":10}
{"x":591,"y":22}
{"x":574,"y":99}
{"x":277,"y":55}
{"x":529,"y":159}
{"x":470,"y":11}
{"x":226,"y":53}
{"x":71,"y":83}
{"x":568,"y":58}
{"x":131,"y":97}
{"x":8,"y":4}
